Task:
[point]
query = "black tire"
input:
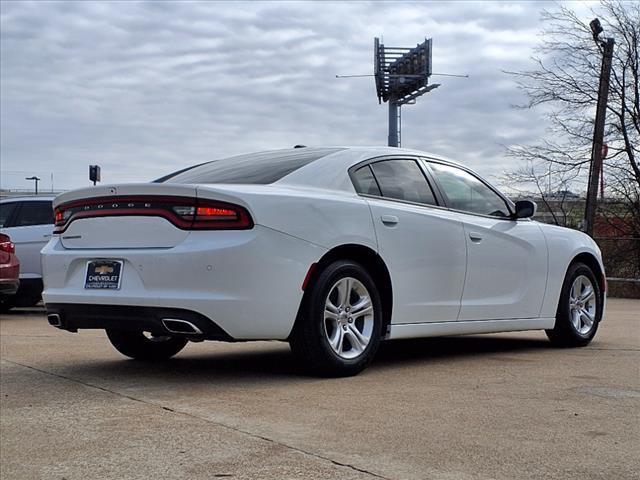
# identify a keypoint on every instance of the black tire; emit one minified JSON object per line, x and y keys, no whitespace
{"x":565,"y":333}
{"x":309,"y":341}
{"x":7,"y":303}
{"x":28,"y":302}
{"x":137,"y":346}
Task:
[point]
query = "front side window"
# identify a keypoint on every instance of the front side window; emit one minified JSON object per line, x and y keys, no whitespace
{"x":403,"y":180}
{"x":6,"y":209}
{"x":466,"y":192}
{"x":34,"y":213}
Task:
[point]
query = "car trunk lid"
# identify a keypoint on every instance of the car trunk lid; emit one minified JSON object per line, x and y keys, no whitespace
{"x":123,"y":216}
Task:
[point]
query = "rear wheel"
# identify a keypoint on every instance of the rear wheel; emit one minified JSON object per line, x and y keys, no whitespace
{"x":579,"y":309}
{"x":141,"y":346}
{"x":339,"y":330}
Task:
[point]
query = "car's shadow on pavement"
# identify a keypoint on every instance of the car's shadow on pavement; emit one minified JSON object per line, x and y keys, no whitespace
{"x":37,"y":311}
{"x":272,"y":364}
{"x":452,"y":348}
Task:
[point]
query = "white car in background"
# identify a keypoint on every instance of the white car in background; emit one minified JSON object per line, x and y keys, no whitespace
{"x":29,"y":223}
{"x":331,"y":249}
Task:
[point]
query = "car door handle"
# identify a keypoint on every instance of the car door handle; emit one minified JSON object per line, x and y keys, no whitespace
{"x":475,"y":237}
{"x":46,"y":236}
{"x":389,"y":220}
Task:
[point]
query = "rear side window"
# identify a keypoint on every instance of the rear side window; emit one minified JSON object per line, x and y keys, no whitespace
{"x":34,"y":213}
{"x":403,"y":180}
{"x":6,"y":210}
{"x":255,"y":168}
{"x":365,"y":182}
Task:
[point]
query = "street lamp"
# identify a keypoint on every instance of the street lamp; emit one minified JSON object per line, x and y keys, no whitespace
{"x":36,"y":180}
{"x":596,"y":28}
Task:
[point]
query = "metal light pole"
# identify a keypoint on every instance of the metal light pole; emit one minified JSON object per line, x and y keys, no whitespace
{"x":597,"y":149}
{"x":393,"y":123}
{"x":36,"y":180}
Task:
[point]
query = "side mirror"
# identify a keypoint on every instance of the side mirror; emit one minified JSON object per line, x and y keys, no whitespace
{"x":525,"y":209}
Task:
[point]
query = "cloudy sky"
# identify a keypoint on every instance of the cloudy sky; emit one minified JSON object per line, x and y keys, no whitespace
{"x":145,"y":88}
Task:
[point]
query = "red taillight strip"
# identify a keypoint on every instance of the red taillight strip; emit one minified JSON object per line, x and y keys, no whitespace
{"x":210,"y":214}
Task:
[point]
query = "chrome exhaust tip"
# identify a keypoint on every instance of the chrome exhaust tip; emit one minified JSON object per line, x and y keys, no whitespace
{"x":176,"y":325}
{"x":54,"y":319}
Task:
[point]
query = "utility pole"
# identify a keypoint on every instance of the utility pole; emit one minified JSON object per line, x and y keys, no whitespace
{"x":597,"y":149}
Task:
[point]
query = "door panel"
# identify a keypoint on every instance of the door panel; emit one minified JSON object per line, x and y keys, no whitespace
{"x":424,"y":249}
{"x":506,"y":259}
{"x":506,"y":269}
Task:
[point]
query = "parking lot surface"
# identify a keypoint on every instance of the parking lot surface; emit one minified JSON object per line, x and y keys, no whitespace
{"x":502,"y":406}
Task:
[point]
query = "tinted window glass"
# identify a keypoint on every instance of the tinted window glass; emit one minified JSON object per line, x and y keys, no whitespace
{"x":466,"y":192}
{"x":365,"y":182}
{"x":256,"y":168}
{"x":34,"y":213}
{"x":403,"y":179}
{"x":6,"y":209}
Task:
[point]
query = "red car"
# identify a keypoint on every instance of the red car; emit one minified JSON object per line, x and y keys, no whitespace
{"x":9,"y":272}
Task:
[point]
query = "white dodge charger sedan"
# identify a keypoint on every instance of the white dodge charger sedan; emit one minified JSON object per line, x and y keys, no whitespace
{"x":330,"y":249}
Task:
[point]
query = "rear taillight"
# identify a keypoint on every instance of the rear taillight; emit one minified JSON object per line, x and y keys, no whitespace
{"x":6,"y":245}
{"x":211,"y":215}
{"x":184,"y":213}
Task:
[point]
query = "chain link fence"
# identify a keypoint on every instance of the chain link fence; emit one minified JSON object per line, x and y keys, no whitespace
{"x":621,"y":257}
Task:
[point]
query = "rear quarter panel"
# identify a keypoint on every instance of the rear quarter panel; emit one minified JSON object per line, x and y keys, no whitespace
{"x":325,"y":218}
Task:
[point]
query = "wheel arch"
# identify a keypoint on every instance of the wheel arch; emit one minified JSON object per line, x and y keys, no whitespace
{"x":370,"y":261}
{"x":591,"y":261}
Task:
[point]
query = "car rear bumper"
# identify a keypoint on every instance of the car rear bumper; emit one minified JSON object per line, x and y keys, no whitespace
{"x":246,"y":282}
{"x":157,"y":320}
{"x":9,"y":286}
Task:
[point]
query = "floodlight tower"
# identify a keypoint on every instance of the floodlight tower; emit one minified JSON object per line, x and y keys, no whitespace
{"x":401,"y":76}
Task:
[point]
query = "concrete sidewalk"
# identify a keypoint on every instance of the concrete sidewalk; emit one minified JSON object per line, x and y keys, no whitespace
{"x":502,"y":406}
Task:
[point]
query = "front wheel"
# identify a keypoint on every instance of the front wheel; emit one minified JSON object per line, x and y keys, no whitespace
{"x":139,"y":346}
{"x":579,"y":310}
{"x":339,"y":330}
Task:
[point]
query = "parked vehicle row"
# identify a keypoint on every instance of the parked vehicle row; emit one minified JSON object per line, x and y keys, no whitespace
{"x":331,"y":249}
{"x":28,"y":221}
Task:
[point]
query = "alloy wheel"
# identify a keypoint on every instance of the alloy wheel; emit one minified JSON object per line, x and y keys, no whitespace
{"x":348,"y":318}
{"x":582,"y":304}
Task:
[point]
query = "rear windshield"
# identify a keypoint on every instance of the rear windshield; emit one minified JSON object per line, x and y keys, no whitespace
{"x":255,"y":168}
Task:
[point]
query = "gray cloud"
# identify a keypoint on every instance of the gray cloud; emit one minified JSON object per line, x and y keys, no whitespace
{"x":144,"y":88}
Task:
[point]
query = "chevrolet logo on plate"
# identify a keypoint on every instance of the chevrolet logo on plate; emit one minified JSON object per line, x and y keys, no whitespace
{"x":103,"y":270}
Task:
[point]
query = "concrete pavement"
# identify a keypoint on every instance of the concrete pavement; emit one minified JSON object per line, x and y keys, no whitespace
{"x":496,"y":406}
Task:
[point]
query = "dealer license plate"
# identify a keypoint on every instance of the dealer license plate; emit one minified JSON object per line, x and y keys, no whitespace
{"x":103,"y":274}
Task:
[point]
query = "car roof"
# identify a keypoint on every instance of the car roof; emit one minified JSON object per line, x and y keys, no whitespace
{"x":376,"y":151}
{"x":330,"y":171}
{"x":325,"y":167}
